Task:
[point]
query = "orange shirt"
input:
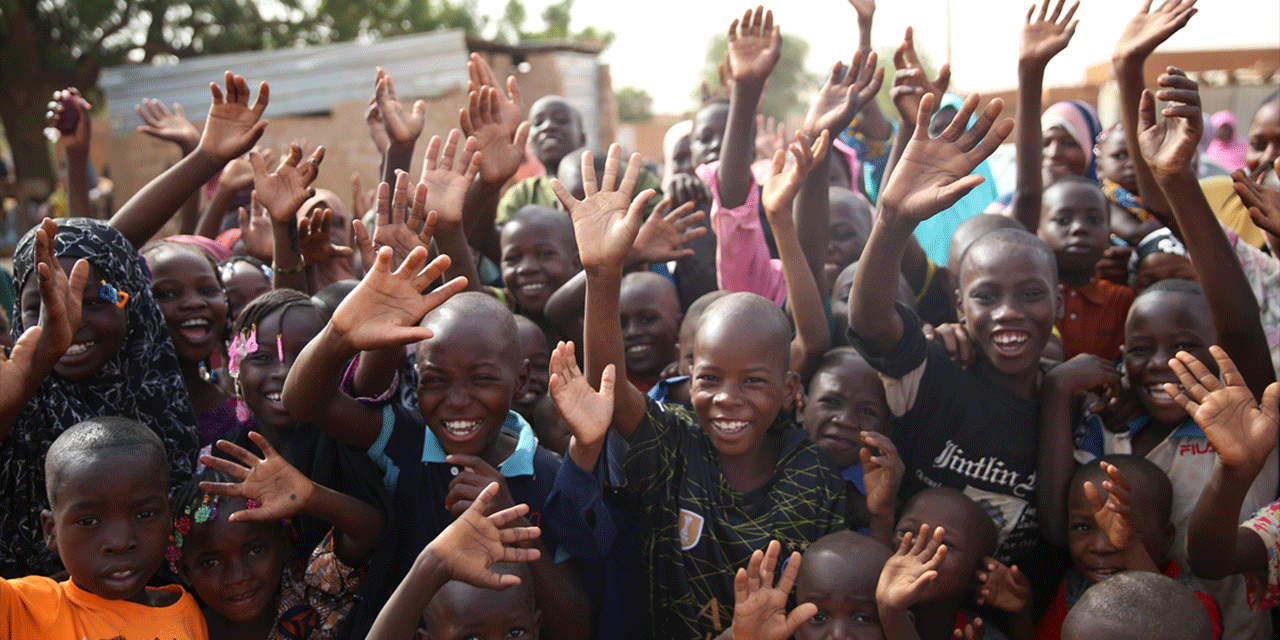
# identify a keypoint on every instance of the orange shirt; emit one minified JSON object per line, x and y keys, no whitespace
{"x":37,"y":608}
{"x":1093,"y":318}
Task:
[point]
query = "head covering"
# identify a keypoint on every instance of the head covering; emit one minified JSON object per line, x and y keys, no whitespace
{"x":1232,"y":154}
{"x":142,"y":382}
{"x":1161,"y":240}
{"x":1080,"y":121}
{"x":210,"y":246}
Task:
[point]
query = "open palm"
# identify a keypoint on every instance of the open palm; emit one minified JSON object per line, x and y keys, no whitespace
{"x":607,"y":220}
{"x":283,"y":192}
{"x":843,"y":94}
{"x":1045,"y":37}
{"x":385,"y":308}
{"x":501,"y":152}
{"x":911,"y":569}
{"x":1240,"y":430}
{"x":754,"y":48}
{"x":759,"y":607}
{"x":448,"y":179}
{"x":1169,"y":145}
{"x":1147,"y":29}
{"x":279,"y":489}
{"x":587,"y":412}
{"x":233,"y":126}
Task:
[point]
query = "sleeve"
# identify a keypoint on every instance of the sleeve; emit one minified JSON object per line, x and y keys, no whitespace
{"x":29,"y":607}
{"x":743,"y":262}
{"x":517,"y":196}
{"x":654,"y":451}
{"x":348,"y":386}
{"x":578,"y":516}
{"x":1264,"y":586}
{"x":330,"y":576}
{"x":902,"y":368}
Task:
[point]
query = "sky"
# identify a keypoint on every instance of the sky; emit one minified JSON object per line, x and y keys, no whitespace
{"x":671,"y":36}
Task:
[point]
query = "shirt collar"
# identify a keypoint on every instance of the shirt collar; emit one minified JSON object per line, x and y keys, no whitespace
{"x":520,"y":463}
{"x":1187,"y":429}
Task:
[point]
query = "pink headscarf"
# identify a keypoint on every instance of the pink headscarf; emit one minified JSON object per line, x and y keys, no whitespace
{"x":1229,"y":155}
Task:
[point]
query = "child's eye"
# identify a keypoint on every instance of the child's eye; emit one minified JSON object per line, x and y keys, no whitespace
{"x":163,"y":294}
{"x":985,"y":298}
{"x":1033,"y":294}
{"x":517,"y":632}
{"x":546,"y":255}
{"x":87,"y":521}
{"x":866,"y":618}
{"x":820,"y":617}
{"x":209,"y":563}
{"x":870,"y":412}
{"x":210,"y":291}
{"x":258,"y":550}
{"x":147,"y":514}
{"x":1139,"y":350}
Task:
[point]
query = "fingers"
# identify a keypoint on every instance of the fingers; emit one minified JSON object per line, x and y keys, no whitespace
{"x":1230,"y":375}
{"x":961,"y":120}
{"x":563,"y":194}
{"x":924,"y":115}
{"x":240,"y":453}
{"x":1146,"y":110}
{"x":1094,"y":496}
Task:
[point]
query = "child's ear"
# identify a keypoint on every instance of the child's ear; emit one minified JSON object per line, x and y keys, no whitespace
{"x":50,"y":534}
{"x":792,"y":386}
{"x":959,"y":307}
{"x":1059,"y":308}
{"x":803,"y":399}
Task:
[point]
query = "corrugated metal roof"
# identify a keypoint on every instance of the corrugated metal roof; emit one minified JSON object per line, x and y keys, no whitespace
{"x":303,"y":80}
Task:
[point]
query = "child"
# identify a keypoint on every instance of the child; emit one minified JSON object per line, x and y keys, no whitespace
{"x":460,"y":611}
{"x":1129,"y":221}
{"x":846,"y":414}
{"x":1136,"y":605}
{"x":1073,"y":221}
{"x":651,"y":321}
{"x":229,"y":545}
{"x":1118,"y":521}
{"x":694,"y":474}
{"x":1159,"y":256}
{"x":536,"y":351}
{"x":117,"y":359}
{"x":538,"y":256}
{"x":839,"y":575}
{"x":469,"y":367}
{"x":760,"y":608}
{"x":847,"y":233}
{"x":108,"y":521}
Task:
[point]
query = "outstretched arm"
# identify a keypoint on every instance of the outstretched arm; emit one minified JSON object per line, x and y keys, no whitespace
{"x":173,"y":126}
{"x":904,"y":578}
{"x":759,"y":607}
{"x":494,"y":120}
{"x":402,"y":126}
{"x":753,"y":51}
{"x":68,"y":106}
{"x":282,"y":193}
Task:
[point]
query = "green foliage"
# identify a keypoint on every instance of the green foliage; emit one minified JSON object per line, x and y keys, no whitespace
{"x":556,"y":20}
{"x":789,"y":84}
{"x":634,"y":104}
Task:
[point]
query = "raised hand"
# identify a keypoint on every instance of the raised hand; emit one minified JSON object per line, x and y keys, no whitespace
{"x":1003,"y":587}
{"x":467,"y":485}
{"x":755,"y":44}
{"x":403,"y":126}
{"x":398,"y":225}
{"x":280,"y":490}
{"x":866,"y":9}
{"x":780,"y":187}
{"x":238,"y":174}
{"x":60,"y":294}
{"x":771,"y":135}
{"x":233,"y":126}
{"x":1263,"y":201}
{"x":172,"y":126}
{"x":283,"y":192}
{"x":448,"y":179}
{"x":486,"y":120}
{"x":1045,"y":37}
{"x":882,"y":470}
{"x":1240,"y":430}
{"x":510,"y":104}
{"x":843,"y":95}
{"x":385,"y":308}
{"x":683,"y":188}
{"x":1115,"y":514}
{"x":665,"y":231}
{"x":910,"y":83}
{"x":314,"y":240}
{"x":472,"y":543}
{"x":377,"y":128}
{"x":933,"y":173}
{"x":911,"y":569}
{"x":255,"y":230}
{"x":76,"y":140}
{"x":608,"y":216}
{"x":587,"y":412}
{"x":759,"y":607}
{"x":1149,"y":29}
{"x":1169,"y":146}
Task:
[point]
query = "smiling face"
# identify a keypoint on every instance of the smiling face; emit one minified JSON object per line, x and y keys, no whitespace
{"x":1062,"y":156}
{"x":842,"y":583}
{"x":110,"y":521}
{"x":845,"y":398}
{"x":708,"y":131}
{"x":1074,"y":222}
{"x":650,"y":313}
{"x":243,"y":282}
{"x":186,"y":287}
{"x":1091,"y":550}
{"x":538,"y":255}
{"x":1264,"y":136}
{"x":1114,"y":163}
{"x":262,"y":372}
{"x":102,"y":329}
{"x":235,"y":567}
{"x":555,"y":129}
{"x":535,"y":351}
{"x":1160,"y":324}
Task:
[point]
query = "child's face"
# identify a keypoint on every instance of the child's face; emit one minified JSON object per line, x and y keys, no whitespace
{"x":533,"y":347}
{"x":102,"y":329}
{"x":650,"y":327}
{"x":1162,"y":266}
{"x":235,"y":567}
{"x":463,"y":612}
{"x":535,"y":262}
{"x":1264,"y":136}
{"x":961,"y":535}
{"x":1008,"y":302}
{"x":1114,"y":163}
{"x":844,"y":588}
{"x":111,"y":523}
{"x":708,"y":130}
{"x":1158,"y":327}
{"x":847,"y":231}
{"x":466,"y":381}
{"x":1062,"y":156}
{"x":1091,"y":550}
{"x":262,"y":372}
{"x":740,"y":383}
{"x":1074,"y":223}
{"x":191,"y":299}
{"x":243,"y":283}
{"x":682,"y":156}
{"x":845,"y":399}
{"x":554,"y":130}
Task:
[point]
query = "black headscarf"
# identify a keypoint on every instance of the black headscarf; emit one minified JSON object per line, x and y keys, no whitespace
{"x":142,"y":382}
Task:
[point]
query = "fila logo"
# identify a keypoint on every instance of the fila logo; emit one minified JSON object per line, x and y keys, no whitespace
{"x":690,"y":529}
{"x":1194,"y":448}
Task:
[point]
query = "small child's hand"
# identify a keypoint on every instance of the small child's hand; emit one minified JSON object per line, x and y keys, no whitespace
{"x":313,"y":238}
{"x":1042,"y":38}
{"x":911,"y":569}
{"x":755,"y":48}
{"x":399,"y":225}
{"x":1084,"y":372}
{"x":665,"y":231}
{"x":971,"y":631}
{"x":280,"y":490}
{"x":233,"y":126}
{"x":1114,"y":265}
{"x":77,"y":140}
{"x":955,"y":339}
{"x":238,"y":174}
{"x":1169,"y":146}
{"x":472,"y":543}
{"x":1146,"y":31}
{"x":1003,"y":587}
{"x":377,"y":130}
{"x":510,"y":103}
{"x":171,"y":126}
{"x":255,"y":230}
{"x":1115,"y":514}
{"x":448,"y":180}
{"x":882,"y":470}
{"x":759,"y":608}
{"x":1263,"y":201}
{"x":385,"y":308}
{"x":587,"y":412}
{"x":468,"y":484}
{"x":934,"y":173}
{"x":843,"y":95}
{"x":1242,"y":432}
{"x":283,"y":192}
{"x":402,"y":126}
{"x":61,"y":296}
{"x":910,"y":83}
{"x":780,"y":187}
{"x":682,"y":188}
{"x":771,"y":135}
{"x":486,"y":120}
{"x":607,"y":221}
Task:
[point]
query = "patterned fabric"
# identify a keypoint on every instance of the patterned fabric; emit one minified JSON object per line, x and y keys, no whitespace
{"x":1125,"y":198}
{"x":697,"y":531}
{"x":1264,"y":587}
{"x":315,"y":598}
{"x":142,"y":382}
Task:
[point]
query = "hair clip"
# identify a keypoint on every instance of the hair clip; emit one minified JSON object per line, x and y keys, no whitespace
{"x":109,"y":293}
{"x":252,"y":341}
{"x":207,"y":511}
{"x":280,"y":347}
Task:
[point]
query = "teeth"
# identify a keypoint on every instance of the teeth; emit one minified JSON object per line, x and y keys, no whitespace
{"x":274,"y":396}
{"x":730,"y":426}
{"x":79,"y":348}
{"x":194,"y":322}
{"x":637,"y":348}
{"x":461,"y":427}
{"x":530,"y":289}
{"x":1157,"y":392}
{"x":1009,"y":337}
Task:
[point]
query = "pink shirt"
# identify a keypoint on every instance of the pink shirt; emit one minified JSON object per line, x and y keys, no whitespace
{"x":742,"y":255}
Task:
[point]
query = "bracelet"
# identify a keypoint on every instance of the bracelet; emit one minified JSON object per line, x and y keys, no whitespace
{"x":286,"y":271}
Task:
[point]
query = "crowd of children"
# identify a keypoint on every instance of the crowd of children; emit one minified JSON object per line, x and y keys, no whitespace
{"x":828,"y":386}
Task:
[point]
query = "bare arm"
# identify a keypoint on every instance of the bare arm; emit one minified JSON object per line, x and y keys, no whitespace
{"x":752,"y":54}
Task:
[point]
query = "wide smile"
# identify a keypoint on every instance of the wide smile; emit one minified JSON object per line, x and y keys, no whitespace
{"x":729,"y":428}
{"x":532,"y":289}
{"x":1011,"y":343}
{"x":77,"y":352}
{"x":460,"y":430}
{"x":195,"y":329}
{"x":1158,"y":396}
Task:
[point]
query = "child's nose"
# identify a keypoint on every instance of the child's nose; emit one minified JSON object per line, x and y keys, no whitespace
{"x":120,"y":538}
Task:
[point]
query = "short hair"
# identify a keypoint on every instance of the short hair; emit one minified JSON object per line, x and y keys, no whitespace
{"x":988,"y":534}
{"x":973,"y":228}
{"x":228,"y":266}
{"x":1173,"y":285}
{"x":470,"y":306}
{"x":1138,"y":604}
{"x":767,"y":319}
{"x":1082,"y":181}
{"x":268,"y":303}
{"x":1016,"y":237}
{"x":693,"y":315}
{"x":156,"y":245}
{"x":327,"y":299}
{"x":847,"y":541}
{"x":97,"y":437}
{"x":1156,"y":487}
{"x":557,"y":220}
{"x":665,"y":288}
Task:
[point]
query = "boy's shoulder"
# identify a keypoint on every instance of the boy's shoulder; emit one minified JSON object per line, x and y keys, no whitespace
{"x":1103,"y":292}
{"x":39,"y":607}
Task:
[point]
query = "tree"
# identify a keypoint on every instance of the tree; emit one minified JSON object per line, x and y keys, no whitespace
{"x":555,"y":18}
{"x":634,"y":104}
{"x":789,"y":83}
